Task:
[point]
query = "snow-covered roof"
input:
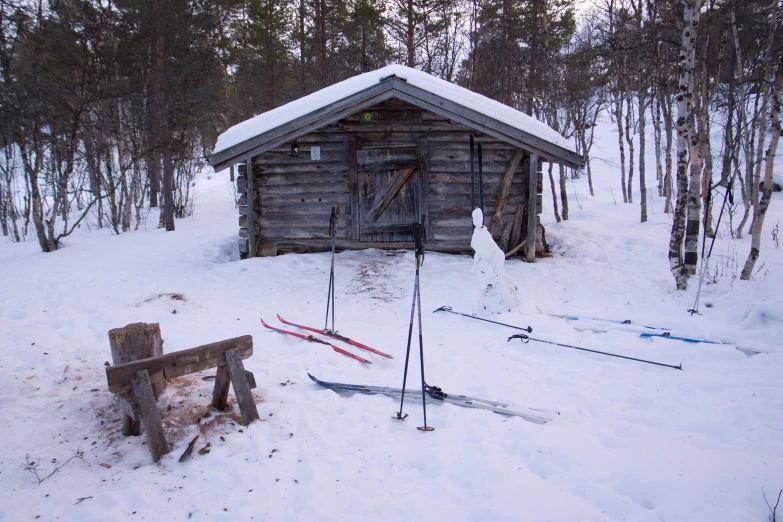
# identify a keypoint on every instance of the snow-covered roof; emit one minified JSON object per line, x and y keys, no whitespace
{"x":242,"y":139}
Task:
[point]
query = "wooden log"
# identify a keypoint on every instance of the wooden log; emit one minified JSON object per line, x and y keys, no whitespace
{"x":516,"y":249}
{"x":150,"y":417}
{"x":222,"y":384}
{"x":516,"y":231}
{"x":241,"y":384}
{"x":532,"y":200}
{"x":138,"y":341}
{"x":177,"y":364}
{"x":505,"y":191}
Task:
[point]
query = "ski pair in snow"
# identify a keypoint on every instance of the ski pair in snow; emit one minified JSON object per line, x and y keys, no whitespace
{"x":328,"y":333}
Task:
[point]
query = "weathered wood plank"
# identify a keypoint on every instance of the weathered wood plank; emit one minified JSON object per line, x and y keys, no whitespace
{"x":292,"y":178}
{"x":532,"y":199}
{"x":424,"y":183}
{"x":316,"y":208}
{"x":332,"y":154}
{"x":353,"y":185}
{"x":241,"y":384}
{"x":177,"y":364}
{"x":303,"y":233}
{"x":459,"y":246}
{"x":301,"y":221}
{"x":388,"y":195}
{"x":516,"y":231}
{"x":505,"y":190}
{"x":150,"y":416}
{"x":220,"y":393}
{"x":252,"y":231}
{"x":322,"y":189}
{"x":314,"y":167}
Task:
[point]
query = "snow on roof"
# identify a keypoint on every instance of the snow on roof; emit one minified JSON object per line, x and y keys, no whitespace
{"x":290,"y":111}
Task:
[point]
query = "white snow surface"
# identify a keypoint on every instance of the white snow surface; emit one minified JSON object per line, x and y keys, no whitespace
{"x":500,"y":292}
{"x":307,"y":104}
{"x":632,"y":441}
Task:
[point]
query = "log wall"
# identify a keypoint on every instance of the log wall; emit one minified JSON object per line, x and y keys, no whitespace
{"x":287,"y":207}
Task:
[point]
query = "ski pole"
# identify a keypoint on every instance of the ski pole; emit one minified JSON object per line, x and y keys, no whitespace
{"x":525,"y":339}
{"x":726,"y":197}
{"x":418,"y":239}
{"x":330,"y":295}
{"x":400,"y":415}
{"x":448,"y":309}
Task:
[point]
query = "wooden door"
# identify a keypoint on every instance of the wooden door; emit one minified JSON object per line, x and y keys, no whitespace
{"x":390,"y":191}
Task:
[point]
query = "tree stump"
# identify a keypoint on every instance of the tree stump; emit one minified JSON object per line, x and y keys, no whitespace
{"x":131,"y":343}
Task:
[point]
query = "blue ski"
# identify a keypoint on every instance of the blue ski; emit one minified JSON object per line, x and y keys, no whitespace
{"x":667,"y":335}
{"x":615,"y":321}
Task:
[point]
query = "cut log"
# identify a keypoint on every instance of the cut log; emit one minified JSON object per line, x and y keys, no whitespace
{"x":508,"y":177}
{"x":138,"y":341}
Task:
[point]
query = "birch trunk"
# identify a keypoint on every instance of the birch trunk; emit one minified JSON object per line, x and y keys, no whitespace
{"x":657,"y":139}
{"x":618,"y":116}
{"x":668,"y":124}
{"x":685,"y":137}
{"x":629,"y":128}
{"x":642,"y":181}
{"x":769,"y":165}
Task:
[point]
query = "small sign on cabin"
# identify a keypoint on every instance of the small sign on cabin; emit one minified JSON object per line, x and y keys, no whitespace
{"x":391,"y":116}
{"x":315,"y":153}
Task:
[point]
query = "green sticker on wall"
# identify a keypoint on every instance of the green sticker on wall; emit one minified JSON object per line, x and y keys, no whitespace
{"x":367,"y":116}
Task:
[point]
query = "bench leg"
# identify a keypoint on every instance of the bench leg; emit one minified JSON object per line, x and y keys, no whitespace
{"x":131,"y":425}
{"x":150,"y":416}
{"x":241,"y":383}
{"x":222,"y":384}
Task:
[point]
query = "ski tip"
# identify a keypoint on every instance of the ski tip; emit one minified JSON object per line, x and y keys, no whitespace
{"x":264,"y":323}
{"x":280,"y":318}
{"x":312,"y":378}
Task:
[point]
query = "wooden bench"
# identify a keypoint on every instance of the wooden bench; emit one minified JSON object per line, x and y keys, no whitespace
{"x":133,"y":381}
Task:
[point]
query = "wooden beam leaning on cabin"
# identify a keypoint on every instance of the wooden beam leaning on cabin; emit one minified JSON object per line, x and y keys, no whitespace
{"x":505,"y":190}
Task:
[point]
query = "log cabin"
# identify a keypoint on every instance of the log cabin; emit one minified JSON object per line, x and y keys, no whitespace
{"x":389,"y":148}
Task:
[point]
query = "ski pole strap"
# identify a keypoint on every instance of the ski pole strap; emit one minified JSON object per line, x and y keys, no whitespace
{"x":525,"y":339}
{"x":449,"y":309}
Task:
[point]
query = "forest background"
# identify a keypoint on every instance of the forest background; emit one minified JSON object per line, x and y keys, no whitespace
{"x":109,"y":108}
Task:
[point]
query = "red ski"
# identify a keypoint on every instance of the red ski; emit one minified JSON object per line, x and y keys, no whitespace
{"x":313,"y":339}
{"x":334,"y":335}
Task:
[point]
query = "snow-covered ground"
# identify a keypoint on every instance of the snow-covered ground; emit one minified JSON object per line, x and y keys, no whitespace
{"x":631,"y":442}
